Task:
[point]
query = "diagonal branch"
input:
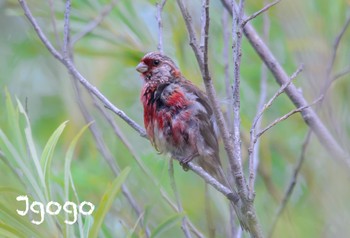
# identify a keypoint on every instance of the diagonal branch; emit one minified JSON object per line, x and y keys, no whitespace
{"x":73,"y":71}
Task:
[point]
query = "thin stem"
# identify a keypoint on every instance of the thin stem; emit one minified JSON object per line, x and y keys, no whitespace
{"x":264,"y":9}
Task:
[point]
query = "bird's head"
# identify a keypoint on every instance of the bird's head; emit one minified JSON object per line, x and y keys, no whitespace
{"x":156,"y":66}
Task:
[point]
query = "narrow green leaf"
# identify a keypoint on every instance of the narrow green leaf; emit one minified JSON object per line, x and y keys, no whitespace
{"x":89,"y":220}
{"x":8,"y":231}
{"x":47,"y":154}
{"x":31,"y":147}
{"x":166,"y":225}
{"x":67,"y":173}
{"x":106,"y":202}
{"x":13,"y":124}
{"x":69,"y":157}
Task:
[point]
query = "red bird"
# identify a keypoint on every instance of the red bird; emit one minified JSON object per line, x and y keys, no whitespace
{"x":179,"y":119}
{"x":177,"y":115}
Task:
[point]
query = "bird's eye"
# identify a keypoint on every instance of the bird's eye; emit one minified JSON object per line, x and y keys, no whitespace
{"x":156,"y":62}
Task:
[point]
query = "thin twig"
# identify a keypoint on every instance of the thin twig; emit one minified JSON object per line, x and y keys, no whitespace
{"x":184,"y":225}
{"x":278,"y":120}
{"x":253,"y":150}
{"x":264,"y":9}
{"x":94,"y":23}
{"x":279,"y":92}
{"x":341,"y":74}
{"x":160,"y":7}
{"x":292,"y":183}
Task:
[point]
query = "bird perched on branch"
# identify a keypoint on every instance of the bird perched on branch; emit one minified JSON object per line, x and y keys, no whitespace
{"x":177,"y":115}
{"x":179,"y":119}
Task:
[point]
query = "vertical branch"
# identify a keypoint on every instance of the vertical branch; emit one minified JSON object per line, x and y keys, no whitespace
{"x":226,"y":36}
{"x":237,"y":40}
{"x":66,"y":31}
{"x":160,"y":7}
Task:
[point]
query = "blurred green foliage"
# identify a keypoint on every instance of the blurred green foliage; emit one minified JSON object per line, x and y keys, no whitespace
{"x":300,"y":32}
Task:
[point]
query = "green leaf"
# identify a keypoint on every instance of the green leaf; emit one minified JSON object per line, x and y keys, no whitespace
{"x":106,"y":202}
{"x":47,"y":154}
{"x":166,"y":225}
{"x":68,"y":180}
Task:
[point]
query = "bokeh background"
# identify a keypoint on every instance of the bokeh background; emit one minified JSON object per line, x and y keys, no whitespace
{"x":301,"y":32}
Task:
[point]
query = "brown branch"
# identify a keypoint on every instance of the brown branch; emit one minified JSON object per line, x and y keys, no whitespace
{"x":308,"y":114}
{"x":264,"y":9}
{"x":94,"y":23}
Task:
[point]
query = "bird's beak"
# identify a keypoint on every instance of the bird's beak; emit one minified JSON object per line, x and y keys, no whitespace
{"x":142,"y":67}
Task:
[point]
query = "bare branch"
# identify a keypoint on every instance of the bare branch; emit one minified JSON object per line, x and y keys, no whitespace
{"x":264,"y":9}
{"x":94,"y":23}
{"x":309,"y":115}
{"x":226,"y":36}
{"x":160,"y":7}
{"x":72,"y":70}
{"x":335,"y":48}
{"x":292,"y":183}
{"x":236,"y":159}
{"x":286,"y":116}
